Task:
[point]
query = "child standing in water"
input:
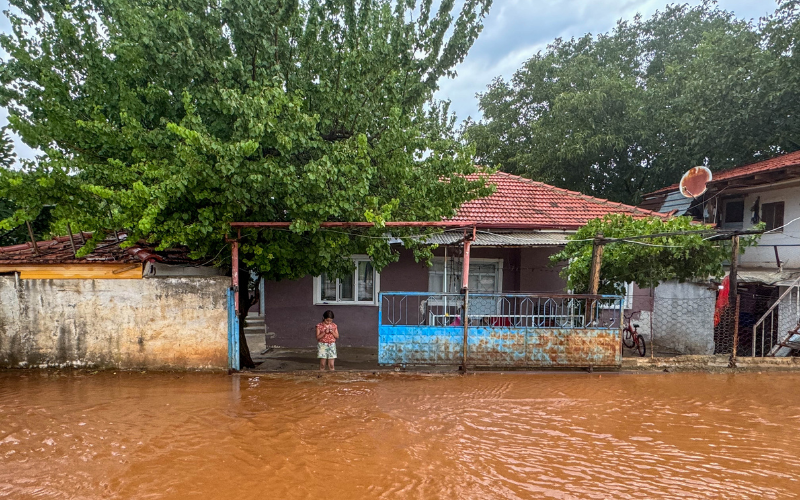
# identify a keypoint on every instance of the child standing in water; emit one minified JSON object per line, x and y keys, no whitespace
{"x":327,"y":333}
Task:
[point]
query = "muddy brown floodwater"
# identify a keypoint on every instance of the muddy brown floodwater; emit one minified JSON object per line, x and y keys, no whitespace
{"x":348,"y":436}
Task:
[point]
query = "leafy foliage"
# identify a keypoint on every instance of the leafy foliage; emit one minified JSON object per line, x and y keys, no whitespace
{"x":40,"y":224}
{"x":7,"y":154}
{"x":172,"y":118}
{"x":627,"y":112}
{"x":646,"y":262}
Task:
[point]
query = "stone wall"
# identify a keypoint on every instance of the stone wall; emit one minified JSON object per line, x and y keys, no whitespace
{"x":158,"y":323}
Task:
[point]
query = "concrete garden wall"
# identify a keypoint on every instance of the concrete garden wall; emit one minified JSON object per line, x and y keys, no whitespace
{"x":683,"y":318}
{"x":158,"y":323}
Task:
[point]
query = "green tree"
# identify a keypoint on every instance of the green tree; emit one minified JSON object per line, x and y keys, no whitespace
{"x":171,"y":118}
{"x":648,"y":261}
{"x":627,"y":112}
{"x":40,"y":223}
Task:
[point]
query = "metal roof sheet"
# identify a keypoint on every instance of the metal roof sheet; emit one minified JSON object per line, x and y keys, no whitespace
{"x":500,"y":240}
{"x":773,"y":277}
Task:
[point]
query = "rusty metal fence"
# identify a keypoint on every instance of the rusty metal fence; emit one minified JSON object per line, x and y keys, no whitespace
{"x":502,"y":330}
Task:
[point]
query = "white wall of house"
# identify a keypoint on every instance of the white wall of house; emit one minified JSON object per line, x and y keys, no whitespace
{"x":763,"y":256}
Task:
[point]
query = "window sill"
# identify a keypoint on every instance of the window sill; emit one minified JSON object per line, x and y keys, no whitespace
{"x":334,"y":303}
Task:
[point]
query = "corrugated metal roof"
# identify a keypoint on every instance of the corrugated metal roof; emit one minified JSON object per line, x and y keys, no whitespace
{"x":676,"y":201}
{"x":768,"y":276}
{"x":500,"y":240}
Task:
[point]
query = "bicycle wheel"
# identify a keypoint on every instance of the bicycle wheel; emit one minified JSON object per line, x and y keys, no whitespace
{"x":627,"y":339}
{"x":640,"y":346}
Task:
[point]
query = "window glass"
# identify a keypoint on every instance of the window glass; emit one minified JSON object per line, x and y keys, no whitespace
{"x":328,"y":288}
{"x":436,"y":277}
{"x":358,"y":286}
{"x":483,"y":277}
{"x":772,"y":215}
{"x":734,"y":211}
{"x":453,"y":279}
{"x":366,"y":281}
{"x":346,"y":288}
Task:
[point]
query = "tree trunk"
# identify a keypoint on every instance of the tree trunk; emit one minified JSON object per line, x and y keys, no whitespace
{"x":245,"y":361}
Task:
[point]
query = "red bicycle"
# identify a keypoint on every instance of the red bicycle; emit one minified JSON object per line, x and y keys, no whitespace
{"x":631,"y":337}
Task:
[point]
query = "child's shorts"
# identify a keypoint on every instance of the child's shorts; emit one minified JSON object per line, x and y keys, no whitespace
{"x":326,"y":351}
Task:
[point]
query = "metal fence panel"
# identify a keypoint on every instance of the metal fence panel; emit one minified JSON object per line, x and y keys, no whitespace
{"x":505,"y":330}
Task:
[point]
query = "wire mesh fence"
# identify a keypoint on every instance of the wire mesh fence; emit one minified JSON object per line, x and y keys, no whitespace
{"x":698,"y":321}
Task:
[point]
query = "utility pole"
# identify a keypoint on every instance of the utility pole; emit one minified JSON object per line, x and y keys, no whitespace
{"x":733,"y":296}
{"x":597,"y":260}
{"x":594,"y":274}
{"x":733,"y":278}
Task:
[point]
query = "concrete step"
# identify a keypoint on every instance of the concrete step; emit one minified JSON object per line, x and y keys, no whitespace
{"x":254,"y":321}
{"x":270,"y":335}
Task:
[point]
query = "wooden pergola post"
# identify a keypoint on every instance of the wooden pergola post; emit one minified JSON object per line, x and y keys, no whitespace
{"x":594,"y":274}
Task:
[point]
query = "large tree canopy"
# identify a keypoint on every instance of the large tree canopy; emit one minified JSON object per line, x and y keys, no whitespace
{"x":171,"y":118}
{"x":627,"y":112}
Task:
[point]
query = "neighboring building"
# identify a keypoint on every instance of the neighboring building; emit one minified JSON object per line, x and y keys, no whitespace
{"x":519,"y":227}
{"x":739,"y":198}
{"x":115,"y":307}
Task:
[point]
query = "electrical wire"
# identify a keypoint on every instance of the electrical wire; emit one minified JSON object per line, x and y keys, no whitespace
{"x":783,"y":226}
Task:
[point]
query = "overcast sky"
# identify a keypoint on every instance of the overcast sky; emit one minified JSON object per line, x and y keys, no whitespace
{"x":517,"y":29}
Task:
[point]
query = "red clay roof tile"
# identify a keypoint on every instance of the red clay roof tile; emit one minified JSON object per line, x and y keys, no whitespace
{"x":108,"y":251}
{"x":777,"y":163}
{"x":519,"y":202}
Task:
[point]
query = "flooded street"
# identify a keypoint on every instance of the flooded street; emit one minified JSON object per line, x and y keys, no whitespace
{"x":347,"y":436}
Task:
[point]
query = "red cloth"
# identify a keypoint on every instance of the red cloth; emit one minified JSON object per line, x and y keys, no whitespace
{"x":327,"y":332}
{"x":495,"y":321}
{"x":722,"y":299}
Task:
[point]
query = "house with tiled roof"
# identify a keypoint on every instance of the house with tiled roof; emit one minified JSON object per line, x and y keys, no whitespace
{"x":518,"y":228}
{"x":769,"y":274}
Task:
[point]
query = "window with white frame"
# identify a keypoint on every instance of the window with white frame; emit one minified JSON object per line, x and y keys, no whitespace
{"x":485,"y":275}
{"x":359,"y":287}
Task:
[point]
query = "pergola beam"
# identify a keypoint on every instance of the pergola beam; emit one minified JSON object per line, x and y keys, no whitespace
{"x":359,"y":224}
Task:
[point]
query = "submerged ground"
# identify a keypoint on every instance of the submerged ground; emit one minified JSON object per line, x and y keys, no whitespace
{"x":345,"y":435}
